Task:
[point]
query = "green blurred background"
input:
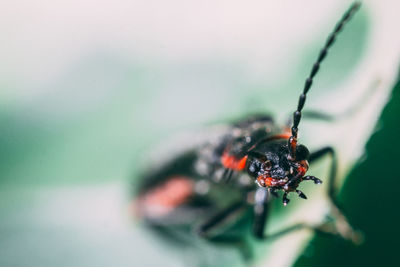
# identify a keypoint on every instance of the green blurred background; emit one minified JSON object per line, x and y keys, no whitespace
{"x":88,"y":89}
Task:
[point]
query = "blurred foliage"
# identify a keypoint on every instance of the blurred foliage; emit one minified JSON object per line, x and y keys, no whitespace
{"x":370,"y":195}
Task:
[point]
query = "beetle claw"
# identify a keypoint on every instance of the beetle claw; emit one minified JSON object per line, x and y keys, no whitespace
{"x":285,"y":200}
{"x":317,"y":181}
{"x":301,"y":194}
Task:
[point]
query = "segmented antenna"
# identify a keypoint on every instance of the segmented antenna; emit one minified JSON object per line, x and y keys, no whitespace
{"x":292,"y":142}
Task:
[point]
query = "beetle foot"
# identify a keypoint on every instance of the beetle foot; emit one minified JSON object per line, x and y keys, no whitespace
{"x":285,"y":200}
{"x":313,"y":178}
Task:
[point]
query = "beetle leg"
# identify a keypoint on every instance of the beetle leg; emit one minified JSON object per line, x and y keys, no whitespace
{"x":274,"y":193}
{"x":366,"y":97}
{"x":342,"y":225}
{"x":333,"y":168}
{"x":326,"y":228}
{"x":222,"y":216}
{"x":285,"y":200}
{"x":312,"y":178}
{"x":326,"y":117}
{"x":262,"y":198}
{"x":301,"y":194}
{"x":227,"y":175}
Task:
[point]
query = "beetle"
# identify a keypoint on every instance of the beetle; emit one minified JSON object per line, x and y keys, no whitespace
{"x":243,"y":165}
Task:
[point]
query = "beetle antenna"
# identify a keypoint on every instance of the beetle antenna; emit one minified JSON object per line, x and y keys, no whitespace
{"x":292,"y":142}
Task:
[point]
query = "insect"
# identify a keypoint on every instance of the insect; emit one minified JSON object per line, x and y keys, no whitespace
{"x":242,"y":167}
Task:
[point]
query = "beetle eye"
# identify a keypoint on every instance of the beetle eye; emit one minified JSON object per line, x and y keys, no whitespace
{"x":267,"y":165}
{"x":302,"y":152}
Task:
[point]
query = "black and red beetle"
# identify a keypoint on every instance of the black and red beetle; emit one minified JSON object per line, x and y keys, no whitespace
{"x":243,"y":165}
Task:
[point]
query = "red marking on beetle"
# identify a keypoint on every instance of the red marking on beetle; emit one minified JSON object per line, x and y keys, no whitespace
{"x":285,"y":135}
{"x":267,"y":181}
{"x":231,"y":162}
{"x":293,"y":144}
{"x":164,"y":198}
{"x":302,"y":169}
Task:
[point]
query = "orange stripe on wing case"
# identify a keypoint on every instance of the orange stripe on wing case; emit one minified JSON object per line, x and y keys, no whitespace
{"x":282,"y":136}
{"x":163,"y":199}
{"x":231,"y":162}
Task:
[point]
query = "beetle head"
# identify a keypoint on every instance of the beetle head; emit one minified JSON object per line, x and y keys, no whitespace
{"x":273,"y":167}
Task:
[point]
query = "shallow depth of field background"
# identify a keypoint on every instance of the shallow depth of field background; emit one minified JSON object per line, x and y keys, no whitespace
{"x":88,"y":89}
